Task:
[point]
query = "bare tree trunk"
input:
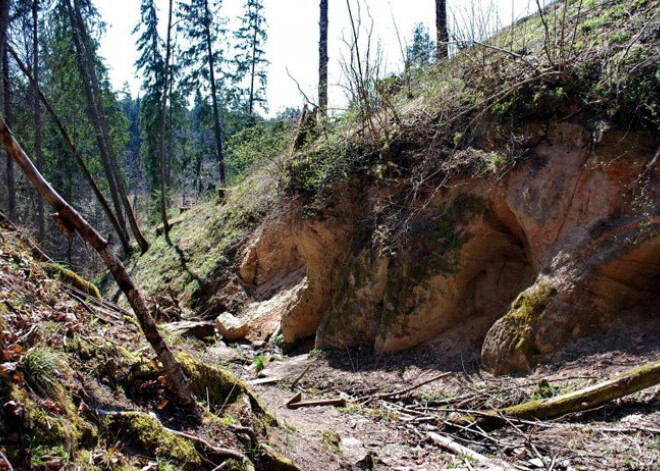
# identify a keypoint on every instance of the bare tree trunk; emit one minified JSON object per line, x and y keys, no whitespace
{"x":71,"y":221}
{"x":36,"y":116}
{"x":214,"y":92}
{"x":105,"y":159}
{"x":87,"y":51}
{"x":5,"y":95}
{"x":254,"y":66}
{"x":163,"y":118}
{"x":442,"y":29}
{"x":323,"y":60}
{"x":123,"y":238}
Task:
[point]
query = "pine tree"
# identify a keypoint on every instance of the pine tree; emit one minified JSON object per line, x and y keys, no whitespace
{"x":163,"y":118}
{"x":421,"y":52}
{"x":203,"y":59}
{"x":5,"y":94}
{"x":250,"y":61}
{"x":86,"y":54}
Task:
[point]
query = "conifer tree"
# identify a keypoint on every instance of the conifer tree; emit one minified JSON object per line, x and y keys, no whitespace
{"x":152,"y":66}
{"x":203,"y":59}
{"x":250,"y":60}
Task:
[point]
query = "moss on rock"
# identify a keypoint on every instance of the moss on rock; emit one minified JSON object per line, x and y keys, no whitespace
{"x":149,"y":434}
{"x":70,"y":278}
{"x":529,"y":306}
{"x":218,"y":385}
{"x":44,"y":429}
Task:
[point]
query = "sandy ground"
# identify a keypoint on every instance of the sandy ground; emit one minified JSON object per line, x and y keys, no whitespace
{"x":392,"y":434}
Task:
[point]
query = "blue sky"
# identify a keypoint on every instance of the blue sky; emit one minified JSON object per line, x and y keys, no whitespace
{"x":293,"y":37}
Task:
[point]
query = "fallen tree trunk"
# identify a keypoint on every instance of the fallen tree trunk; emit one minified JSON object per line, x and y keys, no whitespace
{"x":622,"y":385}
{"x":71,"y":221}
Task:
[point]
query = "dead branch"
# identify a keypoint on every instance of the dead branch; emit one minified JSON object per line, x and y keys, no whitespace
{"x":4,"y":458}
{"x":339,"y":402}
{"x":461,"y":451}
{"x":401,"y":392}
{"x":217,"y":451}
{"x":177,"y":382}
{"x":300,"y":376}
{"x":625,"y":384}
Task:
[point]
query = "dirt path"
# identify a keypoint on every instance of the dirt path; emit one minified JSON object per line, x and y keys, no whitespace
{"x":390,"y":435}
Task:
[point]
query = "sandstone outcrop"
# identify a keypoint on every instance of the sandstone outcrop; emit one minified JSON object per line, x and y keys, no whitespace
{"x":553,"y":250}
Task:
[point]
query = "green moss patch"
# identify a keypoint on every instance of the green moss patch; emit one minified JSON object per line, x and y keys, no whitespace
{"x":71,"y":278}
{"x":150,"y":436}
{"x":217,"y":385}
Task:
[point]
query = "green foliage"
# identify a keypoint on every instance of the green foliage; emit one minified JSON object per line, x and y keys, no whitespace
{"x":250,"y":61}
{"x":257,"y":145}
{"x":421,"y":52}
{"x":40,"y":367}
{"x":259,"y":364}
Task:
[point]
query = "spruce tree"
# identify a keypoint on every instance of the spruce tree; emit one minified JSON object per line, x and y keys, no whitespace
{"x":203,"y":59}
{"x":250,"y":60}
{"x":152,"y":66}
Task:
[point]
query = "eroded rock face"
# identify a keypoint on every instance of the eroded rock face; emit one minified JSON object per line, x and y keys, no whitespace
{"x":525,"y":263}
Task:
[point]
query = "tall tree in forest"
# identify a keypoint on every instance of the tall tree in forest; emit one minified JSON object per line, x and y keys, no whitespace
{"x":5,"y":103}
{"x":163,"y":118}
{"x":323,"y":59}
{"x":442,"y":29}
{"x":202,"y":58}
{"x":85,"y":52}
{"x":65,"y":10}
{"x":66,"y":137}
{"x":152,"y":66}
{"x":36,"y":116}
{"x":251,"y":59}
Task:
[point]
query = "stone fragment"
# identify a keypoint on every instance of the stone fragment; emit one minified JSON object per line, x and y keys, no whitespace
{"x":231,"y":327}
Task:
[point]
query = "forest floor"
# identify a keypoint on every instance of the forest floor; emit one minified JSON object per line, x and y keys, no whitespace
{"x":392,"y":434}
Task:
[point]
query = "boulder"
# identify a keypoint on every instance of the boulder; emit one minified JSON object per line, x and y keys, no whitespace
{"x":199,"y":329}
{"x":231,"y":327}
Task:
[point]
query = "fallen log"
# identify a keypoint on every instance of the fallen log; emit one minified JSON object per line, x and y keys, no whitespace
{"x":459,"y":450}
{"x":322,"y":403}
{"x":587,"y":398}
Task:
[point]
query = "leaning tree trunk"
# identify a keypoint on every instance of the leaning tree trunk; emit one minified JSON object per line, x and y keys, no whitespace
{"x":74,"y":150}
{"x":590,"y":397}
{"x":323,"y":60}
{"x":89,"y":62}
{"x":214,"y":92}
{"x":442,"y":29}
{"x":71,"y":221}
{"x":36,"y":116}
{"x":93,"y":116}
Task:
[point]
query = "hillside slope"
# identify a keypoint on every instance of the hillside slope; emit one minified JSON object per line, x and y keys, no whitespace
{"x":511,"y":205}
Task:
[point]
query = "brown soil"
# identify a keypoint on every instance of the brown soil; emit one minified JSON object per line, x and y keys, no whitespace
{"x":392,"y":433}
